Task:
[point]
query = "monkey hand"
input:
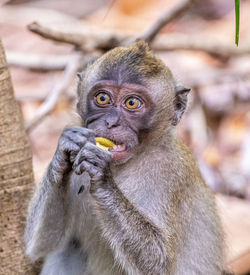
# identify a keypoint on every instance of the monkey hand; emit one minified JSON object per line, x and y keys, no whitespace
{"x":93,"y":160}
{"x":70,"y":144}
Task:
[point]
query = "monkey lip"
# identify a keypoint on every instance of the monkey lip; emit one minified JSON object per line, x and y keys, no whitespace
{"x":119,"y":152}
{"x":117,"y":148}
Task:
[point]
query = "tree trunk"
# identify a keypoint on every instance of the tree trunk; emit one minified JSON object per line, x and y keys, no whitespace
{"x":16,"y":178}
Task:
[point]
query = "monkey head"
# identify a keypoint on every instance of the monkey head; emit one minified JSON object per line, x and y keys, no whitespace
{"x":129,"y":94}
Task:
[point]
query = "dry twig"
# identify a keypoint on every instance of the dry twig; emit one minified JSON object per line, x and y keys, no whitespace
{"x":91,"y":41}
{"x":31,"y":97}
{"x":69,"y":38}
{"x":168,"y":16}
{"x":60,"y":87}
{"x":38,"y":62}
{"x":88,"y":41}
{"x":170,"y":42}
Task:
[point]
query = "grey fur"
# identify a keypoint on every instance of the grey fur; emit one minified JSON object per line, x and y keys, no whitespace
{"x":151,"y":215}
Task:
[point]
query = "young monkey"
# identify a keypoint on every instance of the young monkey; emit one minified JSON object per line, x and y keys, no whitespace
{"x":140,"y":208}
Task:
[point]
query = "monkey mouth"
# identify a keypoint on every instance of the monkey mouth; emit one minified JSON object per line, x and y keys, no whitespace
{"x":119,"y":152}
{"x":117,"y":148}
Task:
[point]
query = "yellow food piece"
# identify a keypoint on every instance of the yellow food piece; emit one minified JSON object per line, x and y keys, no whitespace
{"x":104,"y":143}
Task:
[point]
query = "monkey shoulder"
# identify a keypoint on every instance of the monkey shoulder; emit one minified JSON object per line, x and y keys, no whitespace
{"x":197,"y":195}
{"x":187,"y":164}
{"x":182,"y":172}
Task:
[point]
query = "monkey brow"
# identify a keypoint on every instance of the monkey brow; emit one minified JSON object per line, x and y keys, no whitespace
{"x":121,"y":74}
{"x":112,"y":83}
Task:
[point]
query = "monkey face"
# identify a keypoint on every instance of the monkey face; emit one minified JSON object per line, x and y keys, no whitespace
{"x":126,"y":94}
{"x":120,"y":113}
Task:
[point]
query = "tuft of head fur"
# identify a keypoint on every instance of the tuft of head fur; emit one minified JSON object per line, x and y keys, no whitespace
{"x":131,"y":64}
{"x":143,"y":60}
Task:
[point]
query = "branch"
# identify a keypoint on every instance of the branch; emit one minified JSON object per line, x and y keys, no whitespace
{"x":88,"y":41}
{"x":60,"y":87}
{"x":55,"y":35}
{"x":32,"y":97}
{"x":169,"y":42}
{"x":168,"y":16}
{"x":105,"y":40}
{"x":37,"y":62}
{"x":91,"y":41}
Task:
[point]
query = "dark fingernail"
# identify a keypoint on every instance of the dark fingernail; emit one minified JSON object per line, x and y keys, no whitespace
{"x":81,"y":189}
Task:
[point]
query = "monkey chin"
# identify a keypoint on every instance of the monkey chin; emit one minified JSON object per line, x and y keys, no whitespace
{"x":120,"y":154}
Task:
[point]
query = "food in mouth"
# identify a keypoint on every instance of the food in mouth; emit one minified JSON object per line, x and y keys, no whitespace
{"x":104,"y":143}
{"x":109,"y":145}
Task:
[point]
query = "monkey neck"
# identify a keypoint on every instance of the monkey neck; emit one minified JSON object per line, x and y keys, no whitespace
{"x":158,"y":136}
{"x":150,"y":144}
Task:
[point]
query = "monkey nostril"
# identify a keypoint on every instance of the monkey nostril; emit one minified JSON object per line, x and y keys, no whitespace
{"x":111,"y":124}
{"x":108,"y":124}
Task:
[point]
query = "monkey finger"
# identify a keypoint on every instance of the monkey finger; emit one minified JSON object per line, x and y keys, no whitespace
{"x":84,"y":132}
{"x":67,"y":146}
{"x":81,"y":156}
{"x":88,"y":133}
{"x":76,"y":138}
{"x":93,"y":171}
{"x":89,"y":156}
{"x":91,"y":139}
{"x":72,"y":156}
{"x":102,"y":154}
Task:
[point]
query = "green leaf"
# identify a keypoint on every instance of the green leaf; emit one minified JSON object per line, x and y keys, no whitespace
{"x":237,"y":21}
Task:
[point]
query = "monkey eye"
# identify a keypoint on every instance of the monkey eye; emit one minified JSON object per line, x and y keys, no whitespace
{"x":102,"y":98}
{"x":133,"y":103}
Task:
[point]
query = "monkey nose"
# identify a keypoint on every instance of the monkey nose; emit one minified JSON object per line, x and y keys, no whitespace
{"x":112,"y":119}
{"x":112,"y":122}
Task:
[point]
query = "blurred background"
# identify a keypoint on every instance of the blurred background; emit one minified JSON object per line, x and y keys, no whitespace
{"x":198,"y":46}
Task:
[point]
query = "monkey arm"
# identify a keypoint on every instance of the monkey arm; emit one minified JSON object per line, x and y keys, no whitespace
{"x":49,"y":209}
{"x":47,"y":217}
{"x":137,"y":243}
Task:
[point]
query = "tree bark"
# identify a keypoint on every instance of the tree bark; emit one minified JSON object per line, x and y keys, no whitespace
{"x":16,"y":178}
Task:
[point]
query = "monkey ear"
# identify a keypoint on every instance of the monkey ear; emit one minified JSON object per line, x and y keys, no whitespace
{"x":87,"y":63}
{"x":180,"y":103}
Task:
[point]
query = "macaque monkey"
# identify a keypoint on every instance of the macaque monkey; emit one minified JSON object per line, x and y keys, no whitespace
{"x":139,"y":208}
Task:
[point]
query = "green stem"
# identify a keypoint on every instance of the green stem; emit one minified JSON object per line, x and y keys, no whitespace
{"x":237,"y":21}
